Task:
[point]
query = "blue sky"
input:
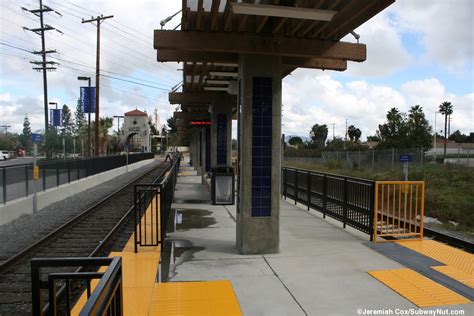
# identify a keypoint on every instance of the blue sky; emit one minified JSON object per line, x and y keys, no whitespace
{"x":412,"y":59}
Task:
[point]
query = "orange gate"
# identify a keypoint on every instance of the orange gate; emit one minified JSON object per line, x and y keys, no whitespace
{"x":398,"y":209}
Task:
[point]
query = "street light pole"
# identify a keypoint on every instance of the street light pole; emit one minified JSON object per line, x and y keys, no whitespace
{"x":434,"y":136}
{"x":88,"y":113}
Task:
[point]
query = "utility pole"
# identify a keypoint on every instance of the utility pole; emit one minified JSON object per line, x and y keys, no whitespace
{"x":346,"y":131}
{"x":333,"y":127}
{"x":118,"y":122}
{"x":45,"y":65}
{"x":449,"y":125}
{"x":98,"y":21}
{"x":5,"y":127}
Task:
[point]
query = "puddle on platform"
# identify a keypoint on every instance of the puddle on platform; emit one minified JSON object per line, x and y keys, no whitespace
{"x":185,"y":219}
{"x":176,"y":252}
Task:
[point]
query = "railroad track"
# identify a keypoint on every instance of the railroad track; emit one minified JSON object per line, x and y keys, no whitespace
{"x":91,"y":233}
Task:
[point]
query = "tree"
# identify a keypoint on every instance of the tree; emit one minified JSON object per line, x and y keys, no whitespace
{"x":173,"y":128}
{"x":295,"y":140}
{"x":25,"y":136}
{"x":67,"y":128}
{"x":459,"y":138}
{"x":318,"y":134}
{"x":393,"y":132}
{"x":354,"y":133}
{"x":419,"y":130}
{"x":445,"y":108}
{"x":336,"y":144}
{"x":79,"y":118}
{"x":373,"y":138}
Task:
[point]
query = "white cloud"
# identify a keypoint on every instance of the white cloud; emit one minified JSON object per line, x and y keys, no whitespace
{"x":446,"y":30}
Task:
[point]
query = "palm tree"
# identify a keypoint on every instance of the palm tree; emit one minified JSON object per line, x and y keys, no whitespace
{"x":445,"y":108}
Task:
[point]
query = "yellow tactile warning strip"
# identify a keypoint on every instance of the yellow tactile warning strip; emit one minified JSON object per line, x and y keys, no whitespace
{"x":459,"y":264}
{"x":139,"y":272}
{"x":206,"y":298}
{"x":418,"y":289}
{"x":458,"y":275}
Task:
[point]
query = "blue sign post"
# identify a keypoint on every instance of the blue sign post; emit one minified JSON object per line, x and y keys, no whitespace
{"x":36,"y":138}
{"x":406,"y":158}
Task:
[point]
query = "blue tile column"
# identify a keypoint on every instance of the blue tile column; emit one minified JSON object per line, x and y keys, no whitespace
{"x":258,"y":209}
{"x":221,"y":134}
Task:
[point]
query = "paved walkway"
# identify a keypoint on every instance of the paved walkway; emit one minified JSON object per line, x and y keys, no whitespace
{"x":321,"y":269}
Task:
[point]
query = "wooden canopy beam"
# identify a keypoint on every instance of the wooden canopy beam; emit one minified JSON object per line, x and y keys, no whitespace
{"x":257,"y":44}
{"x":315,"y":63}
{"x":201,"y":98}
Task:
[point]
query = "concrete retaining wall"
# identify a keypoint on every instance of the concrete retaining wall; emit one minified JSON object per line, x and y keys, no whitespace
{"x":15,"y":208}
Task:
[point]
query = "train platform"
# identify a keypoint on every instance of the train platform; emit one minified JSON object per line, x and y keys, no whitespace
{"x":321,"y":269}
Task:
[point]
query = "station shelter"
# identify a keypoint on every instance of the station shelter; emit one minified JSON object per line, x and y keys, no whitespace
{"x":235,"y":56}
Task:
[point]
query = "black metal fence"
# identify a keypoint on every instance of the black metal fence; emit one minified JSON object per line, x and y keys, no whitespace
{"x":349,"y":200}
{"x":105,"y":299}
{"x":150,"y":227}
{"x":17,"y":180}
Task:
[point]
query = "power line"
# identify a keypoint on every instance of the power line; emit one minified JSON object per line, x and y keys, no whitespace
{"x":17,"y":47}
{"x":134,"y":82}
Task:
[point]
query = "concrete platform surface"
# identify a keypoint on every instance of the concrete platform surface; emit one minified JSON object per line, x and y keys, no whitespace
{"x":321,"y":269}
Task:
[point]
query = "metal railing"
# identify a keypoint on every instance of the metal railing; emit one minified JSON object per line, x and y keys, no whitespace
{"x":16,"y":181}
{"x":349,"y":200}
{"x":105,"y":299}
{"x":399,"y":209}
{"x":152,"y":205}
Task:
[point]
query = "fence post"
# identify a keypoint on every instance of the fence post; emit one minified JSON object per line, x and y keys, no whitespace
{"x":468,"y":153}
{"x":44,"y":177}
{"x":372,"y":211}
{"x":27,"y":189}
{"x":308,"y":188}
{"x":4,"y":182}
{"x":373,"y":158}
{"x":57,"y":175}
{"x":296,"y":185}
{"x":325,"y":191}
{"x":393,"y":157}
{"x":422,"y":154}
{"x":285,"y":182}
{"x":135,"y":206}
{"x":345,"y":203}
{"x":69,"y":171}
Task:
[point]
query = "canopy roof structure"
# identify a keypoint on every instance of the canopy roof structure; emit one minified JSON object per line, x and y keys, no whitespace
{"x":304,"y":33}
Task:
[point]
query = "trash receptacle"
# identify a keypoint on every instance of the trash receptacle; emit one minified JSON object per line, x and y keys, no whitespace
{"x":222,"y":185}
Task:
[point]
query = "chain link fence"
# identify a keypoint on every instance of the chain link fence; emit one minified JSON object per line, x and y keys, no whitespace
{"x":387,"y":159}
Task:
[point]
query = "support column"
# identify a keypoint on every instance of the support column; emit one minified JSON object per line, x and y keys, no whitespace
{"x":205,"y":151}
{"x":221,"y":134}
{"x":198,"y":163}
{"x":258,"y":209}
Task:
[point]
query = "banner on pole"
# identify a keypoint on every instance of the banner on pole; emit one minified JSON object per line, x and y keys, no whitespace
{"x":84,"y":99}
{"x":56,"y":117}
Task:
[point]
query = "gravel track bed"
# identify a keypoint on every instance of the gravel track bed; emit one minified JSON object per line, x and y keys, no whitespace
{"x":29,"y":228}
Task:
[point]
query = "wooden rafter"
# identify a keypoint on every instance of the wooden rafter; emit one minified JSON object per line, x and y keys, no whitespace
{"x":215,"y":14}
{"x":315,"y":24}
{"x":200,"y":98}
{"x":200,"y":13}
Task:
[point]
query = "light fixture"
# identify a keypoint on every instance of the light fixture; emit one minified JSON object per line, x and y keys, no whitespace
{"x":282,"y":11}
{"x":226,"y":64}
{"x":223,"y":74}
{"x":218,"y":81}
{"x":215,"y":88}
